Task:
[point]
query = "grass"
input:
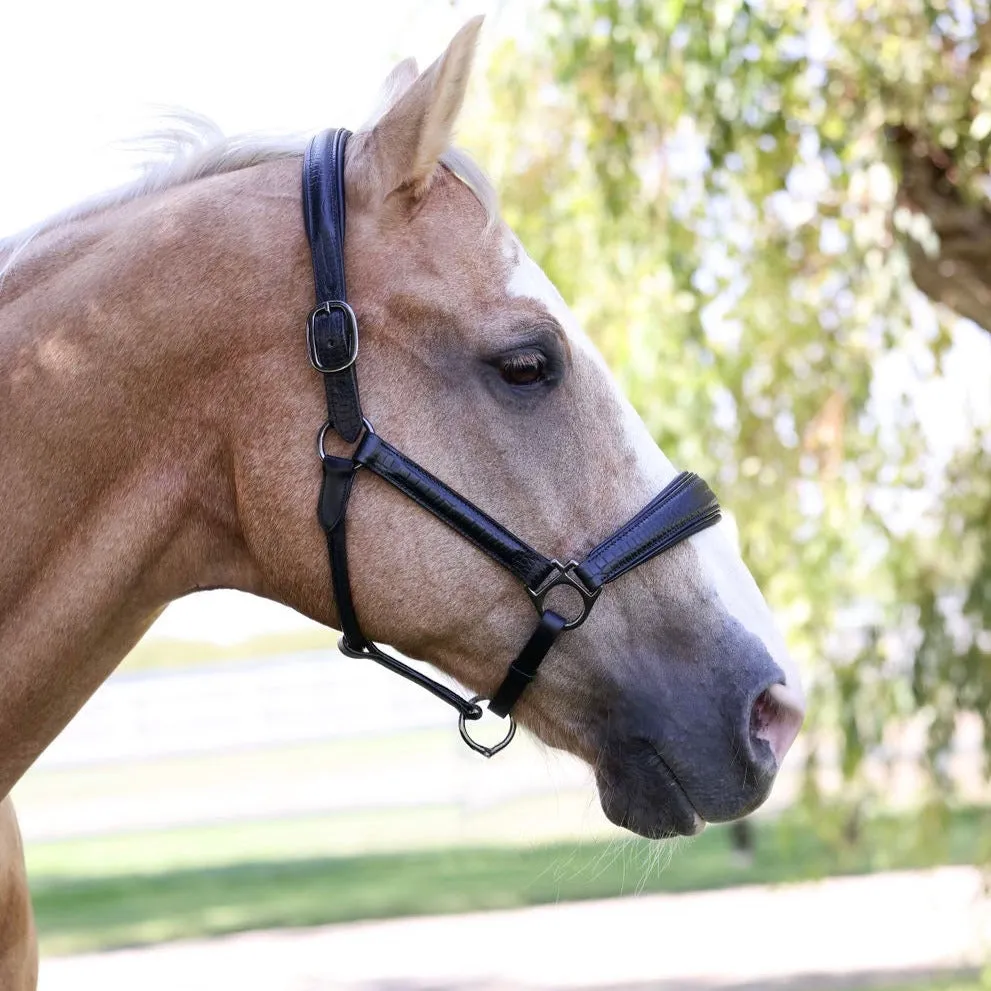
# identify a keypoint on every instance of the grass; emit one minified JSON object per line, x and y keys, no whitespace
{"x":99,"y":893}
{"x":949,"y":984}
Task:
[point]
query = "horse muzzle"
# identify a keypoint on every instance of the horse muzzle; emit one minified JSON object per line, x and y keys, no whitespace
{"x":700,"y":748}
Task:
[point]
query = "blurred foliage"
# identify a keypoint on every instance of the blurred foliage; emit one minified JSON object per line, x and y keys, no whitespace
{"x":719,"y":188}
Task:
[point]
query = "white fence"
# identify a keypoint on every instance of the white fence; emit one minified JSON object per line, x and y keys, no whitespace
{"x":277,"y":701}
{"x":310,"y":734}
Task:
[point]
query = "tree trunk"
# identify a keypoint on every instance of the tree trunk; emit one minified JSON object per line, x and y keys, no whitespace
{"x":955,"y":268}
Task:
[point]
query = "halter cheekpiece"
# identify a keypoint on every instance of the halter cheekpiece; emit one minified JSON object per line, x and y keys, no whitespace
{"x":685,"y":506}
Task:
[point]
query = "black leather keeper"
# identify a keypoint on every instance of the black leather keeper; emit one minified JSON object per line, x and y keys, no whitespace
{"x":524,"y":669}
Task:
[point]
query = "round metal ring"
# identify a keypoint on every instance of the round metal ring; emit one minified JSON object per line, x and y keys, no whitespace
{"x":322,"y":435}
{"x":321,"y":451}
{"x":480,"y":747}
{"x":563,"y":574}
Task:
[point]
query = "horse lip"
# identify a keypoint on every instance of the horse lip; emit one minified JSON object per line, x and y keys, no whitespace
{"x":699,"y":823}
{"x":665,"y":811}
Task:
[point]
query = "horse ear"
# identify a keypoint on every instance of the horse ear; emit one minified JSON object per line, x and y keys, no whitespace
{"x":403,"y":147}
{"x":396,"y":83}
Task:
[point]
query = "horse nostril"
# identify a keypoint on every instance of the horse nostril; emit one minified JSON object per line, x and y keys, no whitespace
{"x":776,"y":718}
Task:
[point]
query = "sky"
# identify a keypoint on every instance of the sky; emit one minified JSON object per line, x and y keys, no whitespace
{"x":80,"y":77}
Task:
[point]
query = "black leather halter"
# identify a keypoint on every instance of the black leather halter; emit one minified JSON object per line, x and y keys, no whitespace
{"x":684,"y":507}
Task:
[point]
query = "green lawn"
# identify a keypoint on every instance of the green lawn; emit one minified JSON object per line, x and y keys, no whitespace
{"x":100,"y":893}
{"x":940,"y":985}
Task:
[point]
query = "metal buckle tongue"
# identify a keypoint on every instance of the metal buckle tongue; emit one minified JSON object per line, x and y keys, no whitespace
{"x":474,"y":744}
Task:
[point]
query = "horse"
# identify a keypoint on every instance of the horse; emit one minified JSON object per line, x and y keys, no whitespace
{"x":157,"y":418}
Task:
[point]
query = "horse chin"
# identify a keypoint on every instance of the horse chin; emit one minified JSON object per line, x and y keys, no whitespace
{"x":641,"y":794}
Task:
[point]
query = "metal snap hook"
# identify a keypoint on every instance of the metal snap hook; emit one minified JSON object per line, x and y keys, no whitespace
{"x":480,"y":747}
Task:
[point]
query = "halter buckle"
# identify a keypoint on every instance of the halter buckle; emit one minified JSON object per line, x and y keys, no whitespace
{"x":351,"y":336}
{"x":564,"y":574}
{"x":474,"y":744}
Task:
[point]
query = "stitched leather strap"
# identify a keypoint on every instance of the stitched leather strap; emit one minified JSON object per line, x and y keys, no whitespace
{"x":685,"y":506}
{"x":468,"y":708}
{"x":476,"y":526}
{"x":332,"y":332}
{"x":332,"y":340}
{"x":524,"y":669}
{"x":338,"y":477}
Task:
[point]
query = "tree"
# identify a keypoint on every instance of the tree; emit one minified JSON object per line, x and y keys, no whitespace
{"x":743,"y":200}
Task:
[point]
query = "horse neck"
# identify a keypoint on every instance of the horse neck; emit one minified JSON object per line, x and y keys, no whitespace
{"x":114,"y":425}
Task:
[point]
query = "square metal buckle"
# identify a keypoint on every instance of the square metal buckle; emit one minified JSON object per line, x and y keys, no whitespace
{"x":351,"y":333}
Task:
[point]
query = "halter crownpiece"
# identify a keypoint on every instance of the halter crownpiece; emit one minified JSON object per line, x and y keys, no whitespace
{"x":685,"y":506}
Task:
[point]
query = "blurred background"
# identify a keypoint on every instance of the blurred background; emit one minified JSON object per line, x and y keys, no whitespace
{"x":773,"y":217}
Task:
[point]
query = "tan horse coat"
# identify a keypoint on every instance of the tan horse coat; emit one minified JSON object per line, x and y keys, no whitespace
{"x":18,"y":948}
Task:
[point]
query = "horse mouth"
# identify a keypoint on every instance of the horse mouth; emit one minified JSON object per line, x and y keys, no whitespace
{"x":641,"y":793}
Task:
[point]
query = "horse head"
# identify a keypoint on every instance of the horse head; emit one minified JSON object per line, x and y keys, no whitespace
{"x":677,"y":690}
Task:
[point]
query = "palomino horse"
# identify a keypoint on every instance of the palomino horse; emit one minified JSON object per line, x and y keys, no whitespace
{"x":157,"y":416}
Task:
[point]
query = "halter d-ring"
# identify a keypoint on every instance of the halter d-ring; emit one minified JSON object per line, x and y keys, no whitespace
{"x":329,"y":425}
{"x":474,"y":744}
{"x":564,"y":575}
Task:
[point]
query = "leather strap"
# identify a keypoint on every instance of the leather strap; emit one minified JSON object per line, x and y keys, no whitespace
{"x":685,"y":506}
{"x":524,"y":669}
{"x":476,"y":526}
{"x":332,"y":340}
{"x":338,"y":477}
{"x":468,"y":708}
{"x":332,"y":331}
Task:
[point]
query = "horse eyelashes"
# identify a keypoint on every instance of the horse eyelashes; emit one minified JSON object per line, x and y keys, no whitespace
{"x":526,"y":368}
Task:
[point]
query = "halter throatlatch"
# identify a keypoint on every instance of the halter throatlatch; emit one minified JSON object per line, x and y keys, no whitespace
{"x":682,"y":508}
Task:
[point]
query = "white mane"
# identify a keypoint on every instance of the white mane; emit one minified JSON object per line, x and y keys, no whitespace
{"x":191,"y":147}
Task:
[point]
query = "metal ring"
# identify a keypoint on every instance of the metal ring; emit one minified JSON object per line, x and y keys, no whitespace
{"x":479,"y":747}
{"x":320,"y":439}
{"x":564,"y":574}
{"x":322,"y":435}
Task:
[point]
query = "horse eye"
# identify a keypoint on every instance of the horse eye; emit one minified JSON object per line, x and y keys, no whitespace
{"x":524,"y":368}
